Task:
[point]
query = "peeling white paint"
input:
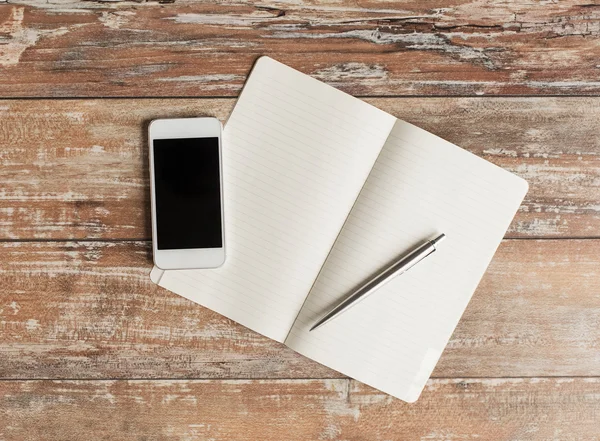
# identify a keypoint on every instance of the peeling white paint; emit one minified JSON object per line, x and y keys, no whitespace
{"x":435,"y":384}
{"x":330,"y":431}
{"x":97,"y":149}
{"x":32,"y":325}
{"x":20,"y":195}
{"x":542,"y":227}
{"x":415,"y":40}
{"x":340,"y":406}
{"x":564,"y":380}
{"x":20,"y":38}
{"x":15,"y":307}
{"x":75,"y":116}
{"x":446,"y":435}
{"x":103,"y":396}
{"x":501,"y":152}
{"x":252,"y":19}
{"x":352,"y":70}
{"x":576,"y":85}
{"x":144,"y":70}
{"x":114,"y":20}
{"x":342,"y":387}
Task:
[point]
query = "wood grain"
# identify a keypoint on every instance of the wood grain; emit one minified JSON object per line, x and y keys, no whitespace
{"x":492,"y":410}
{"x":367,"y":47}
{"x":535,"y":313}
{"x":77,"y":169}
{"x":136,"y":361}
{"x":88,"y":310}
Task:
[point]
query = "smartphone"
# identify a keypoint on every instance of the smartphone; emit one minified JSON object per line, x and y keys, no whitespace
{"x":186,"y":184}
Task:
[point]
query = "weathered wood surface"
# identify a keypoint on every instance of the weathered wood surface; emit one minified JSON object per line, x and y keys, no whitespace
{"x":78,"y":168}
{"x":88,"y":310}
{"x":472,"y":409}
{"x":198,"y":48}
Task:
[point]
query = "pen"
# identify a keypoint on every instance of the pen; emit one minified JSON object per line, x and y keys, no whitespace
{"x":397,"y":268}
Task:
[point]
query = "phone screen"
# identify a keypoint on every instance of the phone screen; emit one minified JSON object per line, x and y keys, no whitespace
{"x":187,"y":193}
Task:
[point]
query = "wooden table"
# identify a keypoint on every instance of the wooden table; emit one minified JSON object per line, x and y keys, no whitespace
{"x":90,"y":348}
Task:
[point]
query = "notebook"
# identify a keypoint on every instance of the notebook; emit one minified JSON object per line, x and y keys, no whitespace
{"x":322,"y":191}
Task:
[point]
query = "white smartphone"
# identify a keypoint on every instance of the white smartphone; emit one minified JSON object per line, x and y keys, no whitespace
{"x":186,"y":184}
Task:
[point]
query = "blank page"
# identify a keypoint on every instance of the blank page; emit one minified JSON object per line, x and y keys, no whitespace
{"x":420,"y":186}
{"x":296,"y":153}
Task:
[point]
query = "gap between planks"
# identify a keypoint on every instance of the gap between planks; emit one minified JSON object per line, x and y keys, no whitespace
{"x":228,"y":97}
{"x":297,"y":379}
{"x":148,"y":240}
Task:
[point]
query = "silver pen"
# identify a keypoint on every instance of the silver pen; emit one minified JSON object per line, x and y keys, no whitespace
{"x":403,"y":265}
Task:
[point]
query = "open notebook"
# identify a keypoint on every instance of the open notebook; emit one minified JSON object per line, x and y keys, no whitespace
{"x":321,"y":192}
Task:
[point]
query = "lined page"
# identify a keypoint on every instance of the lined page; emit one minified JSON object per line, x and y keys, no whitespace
{"x":420,"y":186}
{"x":296,"y":153}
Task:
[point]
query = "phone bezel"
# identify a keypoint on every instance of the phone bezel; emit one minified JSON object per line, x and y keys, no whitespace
{"x":185,"y":128}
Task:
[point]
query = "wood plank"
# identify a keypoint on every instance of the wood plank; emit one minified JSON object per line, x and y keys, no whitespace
{"x":492,"y":410}
{"x":366,"y":47}
{"x":535,"y":313}
{"x":76,"y":169}
{"x":88,"y":310}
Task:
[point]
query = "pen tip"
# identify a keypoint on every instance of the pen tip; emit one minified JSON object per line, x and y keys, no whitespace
{"x":316,"y":325}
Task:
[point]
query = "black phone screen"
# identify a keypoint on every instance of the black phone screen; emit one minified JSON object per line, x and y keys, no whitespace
{"x":187,"y":193}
